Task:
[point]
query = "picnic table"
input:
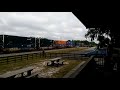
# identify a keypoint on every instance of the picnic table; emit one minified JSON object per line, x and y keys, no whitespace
{"x":12,"y":74}
{"x":34,"y":75}
{"x":55,"y":61}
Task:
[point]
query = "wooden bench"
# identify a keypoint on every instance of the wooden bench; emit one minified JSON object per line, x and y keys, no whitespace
{"x":55,"y":61}
{"x":12,"y":74}
{"x":33,"y":75}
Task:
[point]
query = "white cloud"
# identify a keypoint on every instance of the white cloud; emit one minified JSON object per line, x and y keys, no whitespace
{"x":52,"y":25}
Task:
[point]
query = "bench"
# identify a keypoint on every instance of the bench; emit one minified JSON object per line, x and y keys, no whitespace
{"x":12,"y":74}
{"x":55,"y":61}
{"x":33,"y":75}
{"x":59,"y":63}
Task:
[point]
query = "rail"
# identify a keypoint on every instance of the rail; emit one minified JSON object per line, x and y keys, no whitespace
{"x":78,"y":69}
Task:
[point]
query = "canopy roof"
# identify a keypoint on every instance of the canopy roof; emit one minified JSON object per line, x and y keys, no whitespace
{"x":97,"y":18}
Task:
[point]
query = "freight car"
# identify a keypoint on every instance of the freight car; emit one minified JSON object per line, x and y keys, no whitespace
{"x":45,"y":43}
{"x":70,"y":44}
{"x":10,"y":43}
{"x":59,"y":44}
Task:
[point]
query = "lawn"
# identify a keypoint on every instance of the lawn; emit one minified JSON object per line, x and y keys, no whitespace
{"x":68,"y":50}
{"x":20,"y":64}
{"x":66,"y":68}
{"x":56,"y":72}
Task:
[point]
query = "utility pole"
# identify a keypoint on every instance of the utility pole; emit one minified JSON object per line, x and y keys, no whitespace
{"x":3,"y":40}
{"x":35,"y":43}
{"x":39,"y":42}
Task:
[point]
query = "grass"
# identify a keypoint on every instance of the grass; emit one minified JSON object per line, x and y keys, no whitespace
{"x":66,"y":68}
{"x":63,"y":69}
{"x":22,"y":63}
{"x":19,"y":64}
{"x":68,"y":50}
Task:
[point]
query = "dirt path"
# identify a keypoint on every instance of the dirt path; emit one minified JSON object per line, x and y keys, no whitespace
{"x":45,"y":72}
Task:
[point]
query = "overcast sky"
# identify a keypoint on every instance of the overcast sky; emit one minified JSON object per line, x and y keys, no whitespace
{"x":51,"y":25}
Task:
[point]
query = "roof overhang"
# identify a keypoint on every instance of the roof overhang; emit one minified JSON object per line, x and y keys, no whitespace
{"x":92,"y":18}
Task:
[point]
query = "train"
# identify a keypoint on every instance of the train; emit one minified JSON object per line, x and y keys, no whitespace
{"x":11,"y":43}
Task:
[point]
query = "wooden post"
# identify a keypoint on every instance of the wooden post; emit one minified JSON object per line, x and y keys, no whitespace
{"x":27,"y":56}
{"x":55,"y":55}
{"x":45,"y":55}
{"x":50,"y":55}
{"x":74,"y":55}
{"x":36,"y":55}
{"x":22,"y":74}
{"x":29,"y":72}
{"x":15,"y":59}
{"x":40,"y":55}
{"x":68,"y":56}
{"x":21,"y":57}
{"x":7,"y":60}
{"x":32,"y":55}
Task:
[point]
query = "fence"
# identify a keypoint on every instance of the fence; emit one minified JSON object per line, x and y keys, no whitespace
{"x":16,"y":58}
{"x":36,"y":55}
{"x":5,"y":59}
{"x":93,"y":69}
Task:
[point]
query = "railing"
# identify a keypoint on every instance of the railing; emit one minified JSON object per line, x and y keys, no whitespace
{"x":90,"y":69}
{"x":80,"y":70}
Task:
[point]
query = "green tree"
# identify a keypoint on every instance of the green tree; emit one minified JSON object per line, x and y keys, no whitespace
{"x":99,"y":34}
